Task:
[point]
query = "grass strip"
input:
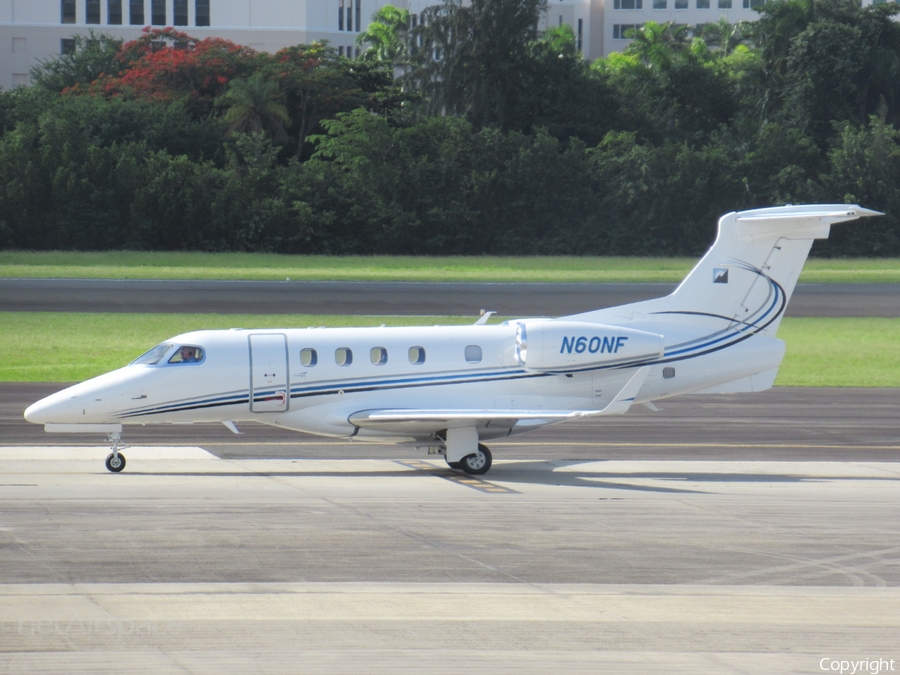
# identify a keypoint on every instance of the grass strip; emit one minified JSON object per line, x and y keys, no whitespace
{"x":274,"y":267}
{"x":69,"y":347}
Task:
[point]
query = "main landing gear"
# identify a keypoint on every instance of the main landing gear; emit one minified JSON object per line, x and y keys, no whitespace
{"x":115,"y":462}
{"x":476,"y":464}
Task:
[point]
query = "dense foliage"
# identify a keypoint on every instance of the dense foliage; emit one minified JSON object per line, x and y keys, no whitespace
{"x":467,"y":133}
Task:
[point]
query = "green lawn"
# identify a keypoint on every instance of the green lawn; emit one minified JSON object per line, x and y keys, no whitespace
{"x":149,"y":265}
{"x":67,"y":347}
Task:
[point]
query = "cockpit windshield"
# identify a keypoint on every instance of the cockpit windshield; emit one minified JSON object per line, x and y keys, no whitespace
{"x":152,"y":357}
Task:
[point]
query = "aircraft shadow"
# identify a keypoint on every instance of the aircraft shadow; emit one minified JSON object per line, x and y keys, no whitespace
{"x":510,"y":474}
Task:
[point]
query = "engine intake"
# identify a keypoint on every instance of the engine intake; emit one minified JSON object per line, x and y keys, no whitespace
{"x":564,"y":346}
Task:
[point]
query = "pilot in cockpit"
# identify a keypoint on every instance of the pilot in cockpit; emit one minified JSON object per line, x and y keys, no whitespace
{"x":187,"y":354}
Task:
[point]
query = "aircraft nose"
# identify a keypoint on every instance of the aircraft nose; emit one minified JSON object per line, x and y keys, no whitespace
{"x":57,"y":408}
{"x":40,"y":412}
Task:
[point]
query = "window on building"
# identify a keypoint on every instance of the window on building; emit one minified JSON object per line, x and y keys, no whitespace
{"x":67,"y":46}
{"x":724,"y":4}
{"x":67,"y":10}
{"x":473,"y":354}
{"x":621,"y":30}
{"x":341,"y":50}
{"x":158,"y":12}
{"x":628,"y":4}
{"x":580,"y":34}
{"x":750,"y":4}
{"x":349,"y":16}
{"x":201,"y":11}
{"x":681,"y":4}
{"x":114,"y":12}
{"x":179,"y":9}
{"x":378,"y":356}
{"x":92,"y":11}
{"x":136,"y":12}
{"x":417,"y":355}
{"x":702,"y":4}
{"x":358,"y":15}
{"x":343,"y":356}
{"x":660,"y":4}
{"x":308,"y":357}
{"x":340,"y":14}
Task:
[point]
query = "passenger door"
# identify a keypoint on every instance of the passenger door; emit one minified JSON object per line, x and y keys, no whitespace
{"x":269,"y":386}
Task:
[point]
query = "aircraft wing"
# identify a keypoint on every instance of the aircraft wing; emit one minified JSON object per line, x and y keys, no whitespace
{"x":420,"y":420}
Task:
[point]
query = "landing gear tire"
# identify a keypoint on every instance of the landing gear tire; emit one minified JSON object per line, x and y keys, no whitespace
{"x":454,"y":465}
{"x":115,"y":462}
{"x":478,"y":463}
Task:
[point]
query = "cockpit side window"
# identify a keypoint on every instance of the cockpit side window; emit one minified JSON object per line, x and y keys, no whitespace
{"x":152,"y":357}
{"x":187,"y":354}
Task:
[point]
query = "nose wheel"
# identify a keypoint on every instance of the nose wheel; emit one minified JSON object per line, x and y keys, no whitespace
{"x":478,"y":463}
{"x":115,"y":462}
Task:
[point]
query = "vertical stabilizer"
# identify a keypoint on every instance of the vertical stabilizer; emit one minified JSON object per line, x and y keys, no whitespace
{"x":752,"y":268}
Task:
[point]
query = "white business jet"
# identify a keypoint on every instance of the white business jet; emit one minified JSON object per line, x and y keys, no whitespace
{"x":447,"y":388}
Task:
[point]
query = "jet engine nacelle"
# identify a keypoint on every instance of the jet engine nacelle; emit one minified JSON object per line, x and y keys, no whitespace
{"x":564,"y":346}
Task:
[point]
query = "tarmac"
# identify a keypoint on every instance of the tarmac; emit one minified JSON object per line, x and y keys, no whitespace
{"x":723,"y":534}
{"x":394,"y":298}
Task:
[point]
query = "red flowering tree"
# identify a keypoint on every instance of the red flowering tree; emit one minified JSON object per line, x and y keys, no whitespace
{"x":165,"y":65}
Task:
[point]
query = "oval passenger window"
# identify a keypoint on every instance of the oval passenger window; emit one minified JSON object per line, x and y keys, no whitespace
{"x":473,"y":354}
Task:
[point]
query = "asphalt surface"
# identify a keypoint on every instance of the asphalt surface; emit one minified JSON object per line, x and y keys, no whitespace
{"x":389,"y":298}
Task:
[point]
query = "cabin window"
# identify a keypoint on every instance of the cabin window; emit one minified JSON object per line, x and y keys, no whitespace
{"x":343,"y":356}
{"x":187,"y":354}
{"x":152,"y":357}
{"x":417,"y":355}
{"x":308,"y":357}
{"x":378,"y":356}
{"x":473,"y":354}
{"x":668,"y":373}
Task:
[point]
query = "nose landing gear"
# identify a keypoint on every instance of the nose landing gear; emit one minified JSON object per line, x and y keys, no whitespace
{"x":115,"y":462}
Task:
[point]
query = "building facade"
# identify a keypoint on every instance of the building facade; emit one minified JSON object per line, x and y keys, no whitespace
{"x":32,"y":31}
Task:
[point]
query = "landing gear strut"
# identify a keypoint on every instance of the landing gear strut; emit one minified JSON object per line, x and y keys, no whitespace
{"x":116,"y":461}
{"x":477,"y":463}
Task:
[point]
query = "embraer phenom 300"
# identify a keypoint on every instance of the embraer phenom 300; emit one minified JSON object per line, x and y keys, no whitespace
{"x":448,"y":388}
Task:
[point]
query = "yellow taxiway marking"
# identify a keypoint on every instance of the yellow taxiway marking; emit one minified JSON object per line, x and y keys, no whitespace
{"x":459,"y":479}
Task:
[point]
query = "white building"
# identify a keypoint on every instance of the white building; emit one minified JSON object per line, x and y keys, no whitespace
{"x":34,"y":30}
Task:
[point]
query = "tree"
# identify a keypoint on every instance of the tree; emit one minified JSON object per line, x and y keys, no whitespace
{"x":253,"y":104}
{"x":474,"y":59}
{"x":94,"y":56}
{"x":386,"y":38}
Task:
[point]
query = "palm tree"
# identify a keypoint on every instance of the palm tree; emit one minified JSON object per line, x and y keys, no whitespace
{"x":385,"y":38}
{"x":254,"y":104}
{"x":659,"y":45}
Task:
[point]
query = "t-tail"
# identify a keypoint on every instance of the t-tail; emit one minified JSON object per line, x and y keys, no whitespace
{"x":751,"y":270}
{"x":749,"y":274}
